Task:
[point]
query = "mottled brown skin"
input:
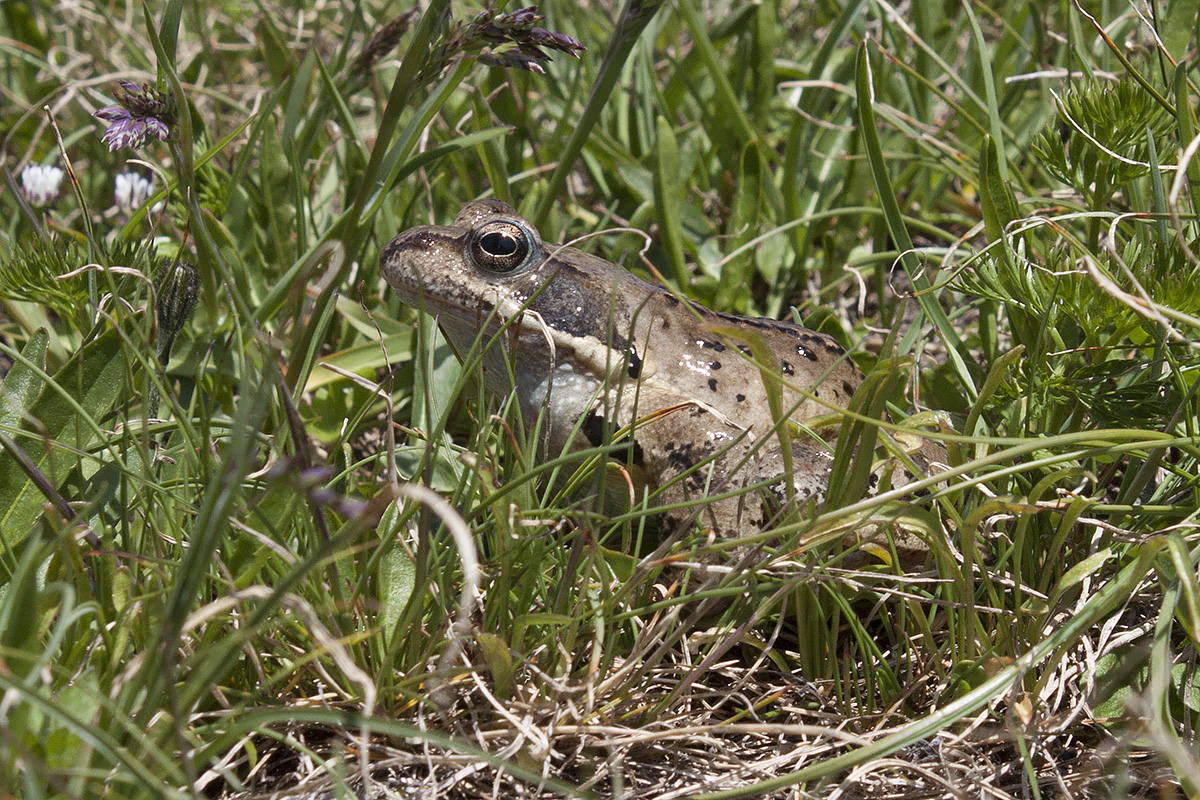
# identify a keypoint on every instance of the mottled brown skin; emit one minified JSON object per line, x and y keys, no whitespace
{"x":595,"y":349}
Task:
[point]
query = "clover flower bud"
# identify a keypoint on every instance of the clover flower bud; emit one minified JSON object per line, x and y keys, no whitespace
{"x":131,"y":190}
{"x":39,"y":184}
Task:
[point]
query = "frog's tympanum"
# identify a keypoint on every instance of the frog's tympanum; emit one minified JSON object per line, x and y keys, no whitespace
{"x":596,"y":349}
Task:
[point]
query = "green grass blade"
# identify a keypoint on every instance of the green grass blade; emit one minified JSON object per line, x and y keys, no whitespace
{"x":635,"y":16}
{"x":891,"y":212}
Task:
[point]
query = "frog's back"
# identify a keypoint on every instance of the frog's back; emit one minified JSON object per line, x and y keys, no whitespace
{"x":709,"y":356}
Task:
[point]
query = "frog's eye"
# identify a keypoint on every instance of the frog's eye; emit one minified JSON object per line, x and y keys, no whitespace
{"x":502,"y":246}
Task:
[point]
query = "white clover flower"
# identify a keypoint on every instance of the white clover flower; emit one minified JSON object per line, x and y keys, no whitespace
{"x":131,"y":191}
{"x":39,"y":184}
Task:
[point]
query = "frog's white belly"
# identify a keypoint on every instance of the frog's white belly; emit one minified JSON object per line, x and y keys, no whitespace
{"x":565,"y":395}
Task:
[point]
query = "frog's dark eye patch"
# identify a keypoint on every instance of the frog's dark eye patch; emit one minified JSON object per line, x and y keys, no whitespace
{"x":502,"y":246}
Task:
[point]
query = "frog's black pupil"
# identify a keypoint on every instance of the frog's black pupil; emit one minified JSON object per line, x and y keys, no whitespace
{"x":499,"y":244}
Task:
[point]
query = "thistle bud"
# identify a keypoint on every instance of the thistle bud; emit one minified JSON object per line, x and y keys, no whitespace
{"x":178,"y":292}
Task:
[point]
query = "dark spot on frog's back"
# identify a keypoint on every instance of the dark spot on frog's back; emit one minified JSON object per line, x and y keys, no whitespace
{"x":753,"y":322}
{"x":712,"y":384}
{"x":681,"y":456}
{"x":711,"y":345}
{"x":635,"y":363}
{"x":786,"y":328}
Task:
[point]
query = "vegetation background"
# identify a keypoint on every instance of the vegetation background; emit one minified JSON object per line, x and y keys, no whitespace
{"x":260,"y":530}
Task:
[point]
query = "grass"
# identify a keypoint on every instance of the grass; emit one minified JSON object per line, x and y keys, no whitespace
{"x":260,"y":529}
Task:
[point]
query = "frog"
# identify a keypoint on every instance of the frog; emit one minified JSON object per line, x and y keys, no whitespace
{"x":600,"y":355}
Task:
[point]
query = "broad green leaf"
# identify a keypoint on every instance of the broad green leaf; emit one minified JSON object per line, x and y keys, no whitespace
{"x":81,"y":699}
{"x":1178,"y":27}
{"x":24,"y":381}
{"x":749,"y":206}
{"x":275,"y":54}
{"x":359,"y":358}
{"x":667,"y":192}
{"x":446,"y":470}
{"x":1081,"y":570}
{"x":1185,"y":124}
{"x":397,"y":574}
{"x":439,"y":372}
{"x":62,"y":422}
{"x":19,"y":618}
{"x":168,"y":32}
{"x":500,"y":662}
{"x":1188,"y":611}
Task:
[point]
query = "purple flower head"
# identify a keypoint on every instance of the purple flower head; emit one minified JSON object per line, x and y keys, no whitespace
{"x":142,"y":113}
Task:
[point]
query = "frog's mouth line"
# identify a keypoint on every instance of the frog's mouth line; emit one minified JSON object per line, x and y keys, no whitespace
{"x":472,"y":307}
{"x":424,"y":299}
{"x":507,"y":307}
